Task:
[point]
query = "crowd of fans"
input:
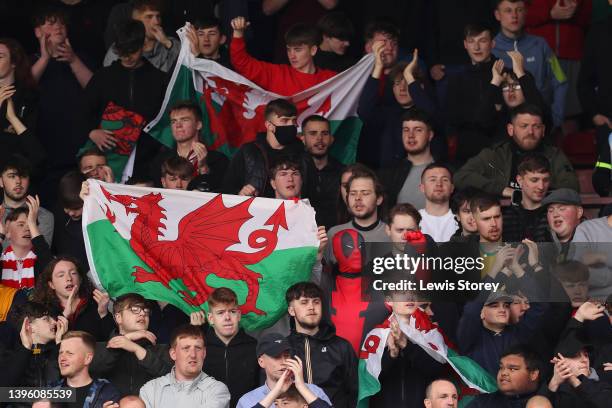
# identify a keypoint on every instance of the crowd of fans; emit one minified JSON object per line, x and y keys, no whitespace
{"x":462,"y":116}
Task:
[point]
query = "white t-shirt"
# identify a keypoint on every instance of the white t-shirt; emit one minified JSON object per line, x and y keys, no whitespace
{"x":440,"y":228}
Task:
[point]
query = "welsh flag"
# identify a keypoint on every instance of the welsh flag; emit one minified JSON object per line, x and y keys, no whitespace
{"x":421,"y":331}
{"x":233,"y":106}
{"x":178,"y":246}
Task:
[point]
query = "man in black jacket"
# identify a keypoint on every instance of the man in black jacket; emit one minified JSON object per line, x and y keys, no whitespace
{"x":466,"y":91}
{"x":129,"y":91}
{"x":329,"y":360}
{"x":248,"y":171}
{"x":230,"y":356}
{"x":131,"y":357}
{"x":525,"y":218}
{"x":321,"y":172}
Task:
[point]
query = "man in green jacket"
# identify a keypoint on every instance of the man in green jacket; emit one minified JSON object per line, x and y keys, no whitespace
{"x":494,"y":169}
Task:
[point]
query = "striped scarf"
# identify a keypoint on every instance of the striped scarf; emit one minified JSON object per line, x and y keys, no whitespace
{"x":17,"y":273}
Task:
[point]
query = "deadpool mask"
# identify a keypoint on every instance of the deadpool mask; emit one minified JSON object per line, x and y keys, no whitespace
{"x":348,"y":246}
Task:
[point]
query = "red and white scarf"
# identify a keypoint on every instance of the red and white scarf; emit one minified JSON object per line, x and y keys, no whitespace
{"x":17,"y":272}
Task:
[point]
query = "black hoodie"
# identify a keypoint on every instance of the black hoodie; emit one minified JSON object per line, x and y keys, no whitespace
{"x":329,"y":362}
{"x":234,"y":364}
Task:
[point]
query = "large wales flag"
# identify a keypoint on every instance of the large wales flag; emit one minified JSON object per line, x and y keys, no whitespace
{"x":233,"y":106}
{"x":178,"y":246}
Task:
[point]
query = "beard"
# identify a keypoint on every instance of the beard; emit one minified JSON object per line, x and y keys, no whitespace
{"x":15,"y":197}
{"x":364,"y":216}
{"x":307,"y":324}
{"x":418,"y":150}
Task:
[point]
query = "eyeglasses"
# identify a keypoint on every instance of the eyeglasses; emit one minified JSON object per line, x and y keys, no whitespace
{"x":139,"y":309}
{"x":514,"y":87}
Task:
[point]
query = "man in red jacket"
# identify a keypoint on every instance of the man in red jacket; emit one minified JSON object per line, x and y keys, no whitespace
{"x":302,"y":73}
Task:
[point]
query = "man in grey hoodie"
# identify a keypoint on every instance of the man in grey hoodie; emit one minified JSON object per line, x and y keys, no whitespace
{"x":186,"y":385}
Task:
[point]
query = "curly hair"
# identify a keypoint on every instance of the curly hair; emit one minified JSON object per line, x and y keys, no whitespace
{"x":43,"y":293}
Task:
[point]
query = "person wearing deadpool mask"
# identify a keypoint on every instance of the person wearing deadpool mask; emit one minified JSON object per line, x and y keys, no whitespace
{"x":352,"y":311}
{"x":248,"y":171}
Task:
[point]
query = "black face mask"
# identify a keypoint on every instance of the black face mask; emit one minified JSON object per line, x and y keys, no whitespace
{"x":286,"y":135}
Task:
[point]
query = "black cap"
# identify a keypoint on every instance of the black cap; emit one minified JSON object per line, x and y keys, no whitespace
{"x":499,"y":296}
{"x":272,"y":344}
{"x":562,"y":196}
{"x":572,"y":344}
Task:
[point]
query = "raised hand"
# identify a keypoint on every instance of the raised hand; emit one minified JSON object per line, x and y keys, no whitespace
{"x":497,"y":71}
{"x":323,"y":240}
{"x":102,"y":299}
{"x":6,"y":92}
{"x":192,"y":37}
{"x":65,"y":52}
{"x":107,"y":174}
{"x":411,"y":68}
{"x":239,"y":25}
{"x":44,"y":42}
{"x":159,"y":34}
{"x":33,"y":204}
{"x":197,"y":318}
{"x":69,"y":308}
{"x":563,"y":12}
{"x":518,"y":63}
{"x":61,"y":327}
{"x":26,"y":334}
{"x":562,"y":372}
{"x":201,"y":153}
{"x":84,"y":190}
{"x":589,"y":311}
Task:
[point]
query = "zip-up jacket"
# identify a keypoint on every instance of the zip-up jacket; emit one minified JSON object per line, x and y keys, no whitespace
{"x":565,"y":37}
{"x":491,"y":169}
{"x":100,"y":391}
{"x":234,"y":364}
{"x":542,"y":63}
{"x":31,"y":369}
{"x":329,"y":362}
